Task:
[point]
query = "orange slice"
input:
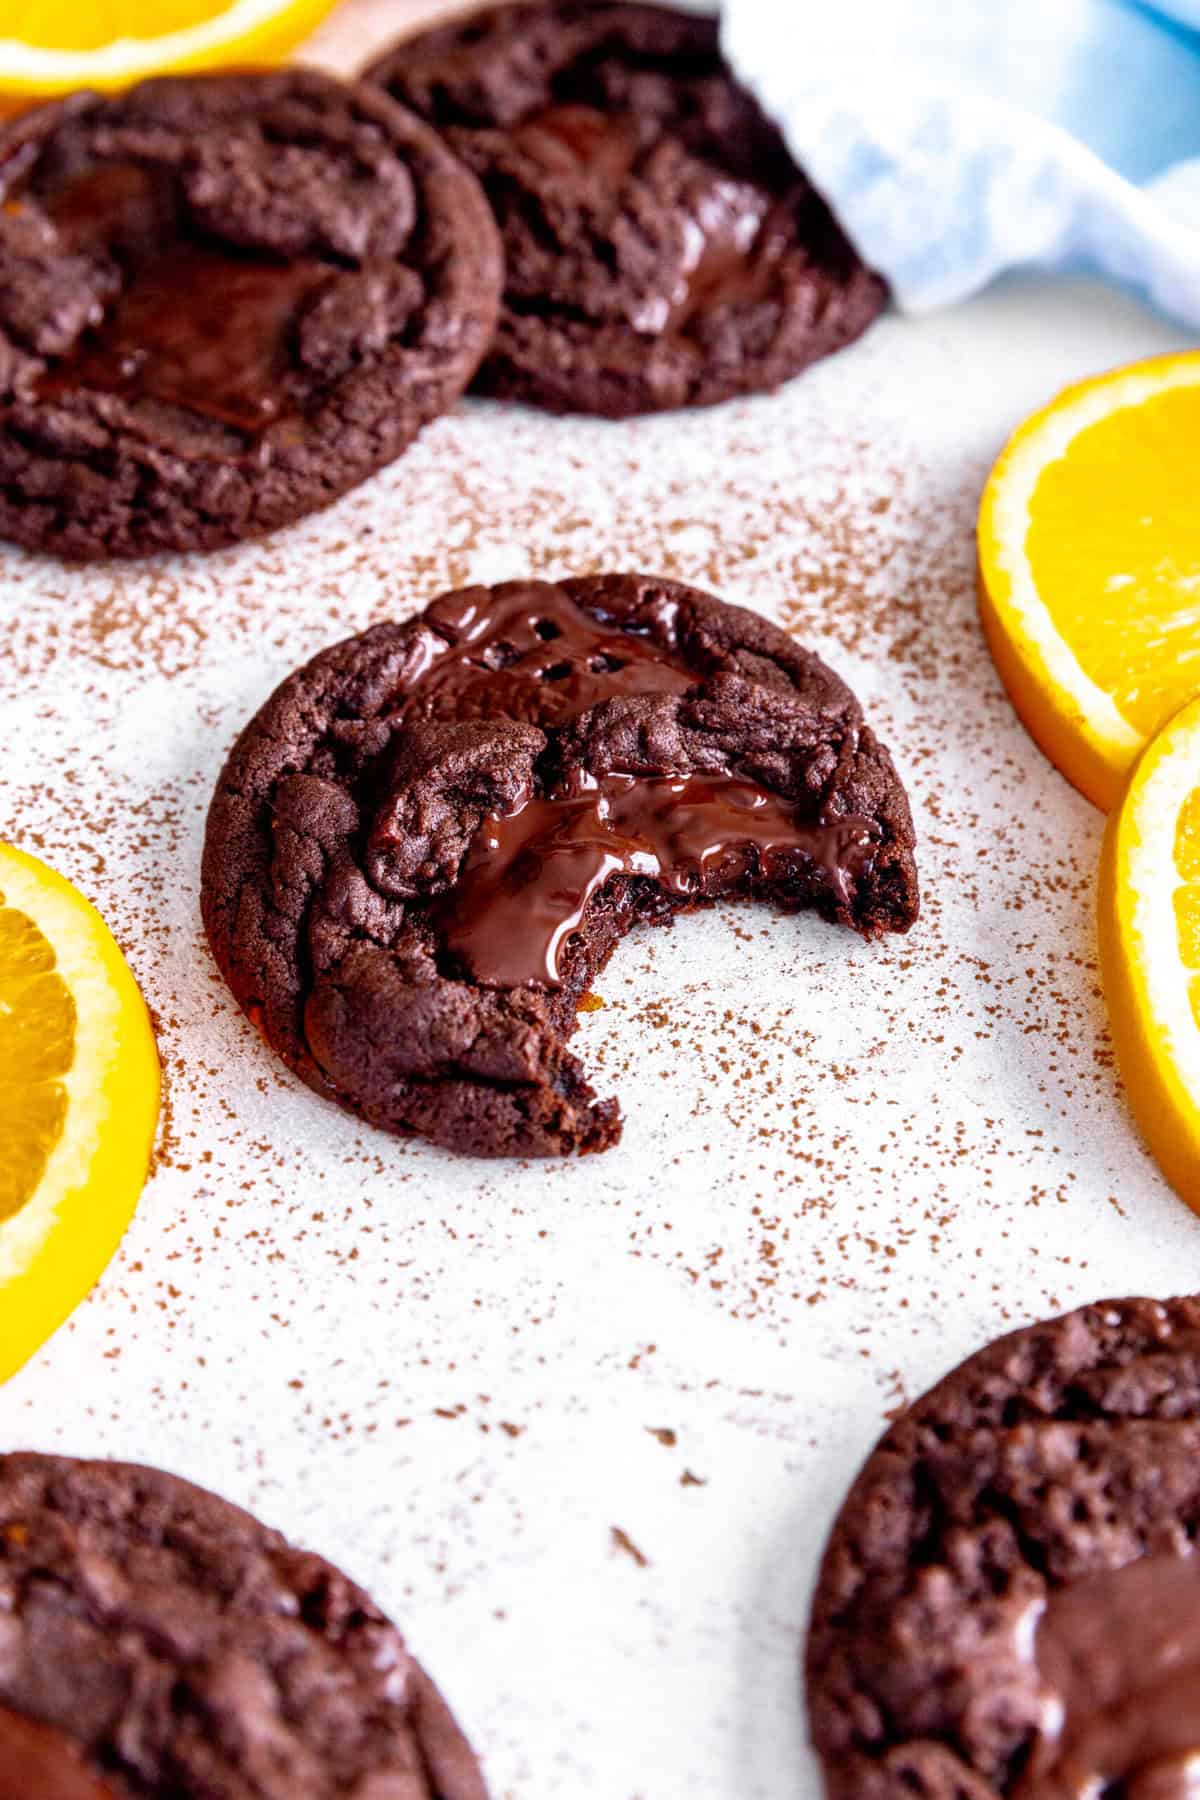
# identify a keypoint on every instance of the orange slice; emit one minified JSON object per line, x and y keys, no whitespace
{"x":1089,"y":561}
{"x":79,"y":1091}
{"x":1149,"y":915}
{"x":51,"y":46}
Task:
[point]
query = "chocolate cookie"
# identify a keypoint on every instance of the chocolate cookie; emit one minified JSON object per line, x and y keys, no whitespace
{"x":224,"y":300}
{"x":662,"y":247}
{"x":157,"y":1643}
{"x":1010,"y":1601}
{"x":424,"y":848}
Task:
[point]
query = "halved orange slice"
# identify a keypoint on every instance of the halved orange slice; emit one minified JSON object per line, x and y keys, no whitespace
{"x":52,"y":46}
{"x":79,"y":1092}
{"x":1089,"y":561}
{"x":1149,"y":916}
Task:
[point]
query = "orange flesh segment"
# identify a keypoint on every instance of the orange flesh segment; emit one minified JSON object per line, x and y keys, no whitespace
{"x":1114,"y":546}
{"x":90,"y":24}
{"x":37,"y":1048}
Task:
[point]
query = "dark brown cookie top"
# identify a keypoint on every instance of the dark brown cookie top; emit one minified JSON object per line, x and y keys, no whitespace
{"x":662,"y":247}
{"x":426,"y":845}
{"x":1010,"y":1601}
{"x":166,"y":1644}
{"x":225,"y":299}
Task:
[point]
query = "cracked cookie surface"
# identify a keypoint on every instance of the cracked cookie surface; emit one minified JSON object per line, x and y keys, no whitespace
{"x":662,"y":247}
{"x":157,"y":1641}
{"x":428,"y":842}
{"x":1010,"y":1601}
{"x":224,"y":300}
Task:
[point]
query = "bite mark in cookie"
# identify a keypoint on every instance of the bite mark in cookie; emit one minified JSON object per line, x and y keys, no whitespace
{"x":429,"y":841}
{"x":1010,"y":1601}
{"x":662,"y":247}
{"x":223,"y":301}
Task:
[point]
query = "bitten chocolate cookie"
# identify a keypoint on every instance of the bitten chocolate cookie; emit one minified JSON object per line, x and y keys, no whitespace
{"x":224,"y":300}
{"x":425,"y":847}
{"x":662,"y":247}
{"x":1010,"y":1601}
{"x":157,"y":1643}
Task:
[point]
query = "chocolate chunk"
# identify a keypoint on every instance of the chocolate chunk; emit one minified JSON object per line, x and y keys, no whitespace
{"x":662,"y":247}
{"x":425,"y":847}
{"x":1010,"y":1601}
{"x":224,"y":300}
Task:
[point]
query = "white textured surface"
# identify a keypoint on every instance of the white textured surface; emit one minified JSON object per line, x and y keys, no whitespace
{"x":843,"y":1168}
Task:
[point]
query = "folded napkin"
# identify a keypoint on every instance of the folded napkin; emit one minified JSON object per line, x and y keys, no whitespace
{"x":959,"y":138}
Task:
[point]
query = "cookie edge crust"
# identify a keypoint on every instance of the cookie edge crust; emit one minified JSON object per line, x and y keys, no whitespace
{"x":237,"y":848}
{"x":888,"y":1455}
{"x":585,"y":381}
{"x":421,"y":1692}
{"x":316,"y":473}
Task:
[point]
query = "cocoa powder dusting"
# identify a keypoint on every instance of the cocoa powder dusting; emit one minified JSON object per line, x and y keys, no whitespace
{"x":847,"y":1164}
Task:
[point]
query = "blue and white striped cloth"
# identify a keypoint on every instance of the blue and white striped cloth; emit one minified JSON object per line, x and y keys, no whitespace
{"x":959,"y":138}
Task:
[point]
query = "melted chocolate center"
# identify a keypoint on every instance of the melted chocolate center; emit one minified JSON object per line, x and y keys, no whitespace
{"x":1120,"y":1653}
{"x":720,"y":267}
{"x":38,"y":1763}
{"x":722,"y":220}
{"x":541,"y":659}
{"x":526,"y":880}
{"x":194,"y":325}
{"x":573,"y":140}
